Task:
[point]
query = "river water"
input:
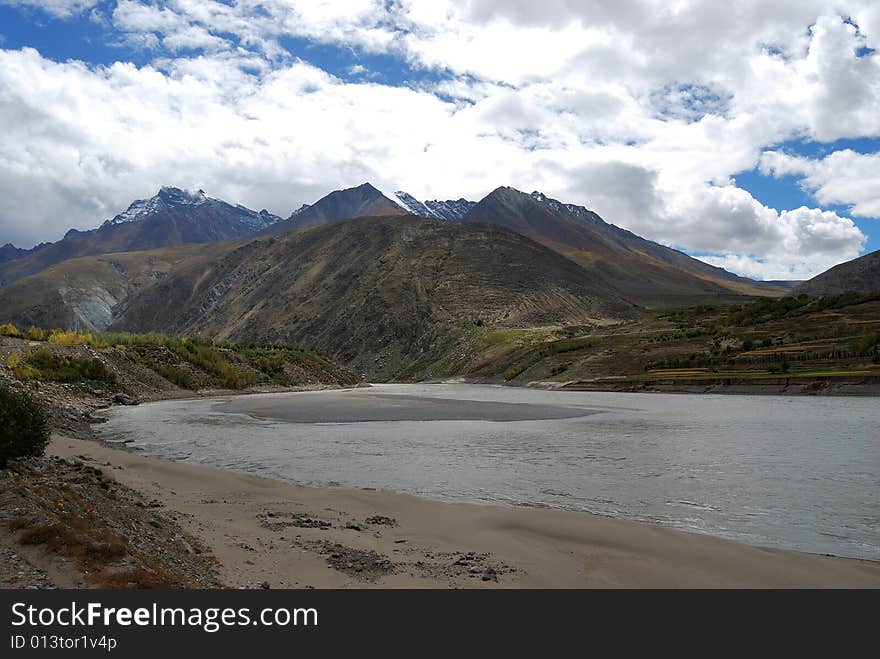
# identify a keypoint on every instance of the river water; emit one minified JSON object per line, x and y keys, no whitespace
{"x":794,"y":472}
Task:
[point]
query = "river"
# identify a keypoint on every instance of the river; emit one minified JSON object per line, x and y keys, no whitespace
{"x":793,"y":472}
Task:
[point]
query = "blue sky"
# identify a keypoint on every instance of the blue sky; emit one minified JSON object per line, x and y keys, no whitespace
{"x":754,"y":144}
{"x":785,"y":192}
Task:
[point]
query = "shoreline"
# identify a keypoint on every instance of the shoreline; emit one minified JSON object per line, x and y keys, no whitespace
{"x":273,"y":533}
{"x":861,"y":387}
{"x":77,"y":415}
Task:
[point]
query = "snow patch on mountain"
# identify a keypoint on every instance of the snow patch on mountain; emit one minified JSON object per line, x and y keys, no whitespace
{"x":167,"y":197}
{"x":171,"y":197}
{"x":578,"y":211}
{"x":451,"y":209}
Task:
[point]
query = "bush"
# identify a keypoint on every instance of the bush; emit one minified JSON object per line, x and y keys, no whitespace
{"x":47,"y":365}
{"x":35,"y":334}
{"x":176,"y":375}
{"x":69,"y":338}
{"x":23,"y":427}
{"x":8,"y":329}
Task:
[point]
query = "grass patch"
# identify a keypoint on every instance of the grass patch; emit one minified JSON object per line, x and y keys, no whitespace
{"x":67,"y":541}
{"x":43,"y":364}
{"x":138,"y":578}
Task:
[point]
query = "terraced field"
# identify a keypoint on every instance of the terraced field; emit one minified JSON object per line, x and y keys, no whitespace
{"x":800,"y":337}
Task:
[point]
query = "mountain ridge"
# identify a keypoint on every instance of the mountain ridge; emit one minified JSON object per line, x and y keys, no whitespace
{"x":171,"y":217}
{"x":861,"y":275}
{"x":361,"y":201}
{"x":649,"y":273}
{"x":378,"y":293}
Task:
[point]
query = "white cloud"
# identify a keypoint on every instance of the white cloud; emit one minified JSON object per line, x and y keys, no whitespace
{"x":60,"y":8}
{"x":642,"y":110}
{"x":844,"y":177}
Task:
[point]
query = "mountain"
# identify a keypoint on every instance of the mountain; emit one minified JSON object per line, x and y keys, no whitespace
{"x":88,"y":293}
{"x":10,"y":252}
{"x":362,"y":201}
{"x":376,"y":293}
{"x":243,"y":222}
{"x":171,"y":217}
{"x":646,"y":272}
{"x":860,"y":275}
{"x":368,"y":201}
{"x":451,"y":209}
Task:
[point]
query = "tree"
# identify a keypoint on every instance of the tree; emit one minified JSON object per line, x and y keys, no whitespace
{"x":24,"y":430}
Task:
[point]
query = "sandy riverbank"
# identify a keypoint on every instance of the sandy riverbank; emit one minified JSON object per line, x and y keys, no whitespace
{"x":777,"y":386}
{"x":270,"y":531}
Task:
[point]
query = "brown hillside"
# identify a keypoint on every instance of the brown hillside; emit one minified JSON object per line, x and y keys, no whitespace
{"x":376,"y":293}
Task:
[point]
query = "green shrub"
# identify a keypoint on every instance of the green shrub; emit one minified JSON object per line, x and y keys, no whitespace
{"x":59,"y":368}
{"x":23,"y":427}
{"x":176,"y":375}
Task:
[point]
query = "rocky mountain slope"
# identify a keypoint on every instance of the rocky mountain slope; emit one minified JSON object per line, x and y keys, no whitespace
{"x":451,"y":209}
{"x":87,"y":293}
{"x":9,"y":252}
{"x":362,"y":201}
{"x":860,"y":275}
{"x":647,"y":272}
{"x":172,"y":217}
{"x":375,"y":293}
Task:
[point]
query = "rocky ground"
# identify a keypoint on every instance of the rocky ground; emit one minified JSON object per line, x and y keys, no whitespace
{"x":362,"y":565}
{"x":69,"y":523}
{"x":17,"y":572}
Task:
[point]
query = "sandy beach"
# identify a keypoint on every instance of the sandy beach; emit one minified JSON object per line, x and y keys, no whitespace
{"x":271,"y":533}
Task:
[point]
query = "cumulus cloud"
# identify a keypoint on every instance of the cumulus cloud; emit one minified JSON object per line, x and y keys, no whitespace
{"x":844,"y":178}
{"x":808,"y":239}
{"x":60,"y":8}
{"x":641,"y":110}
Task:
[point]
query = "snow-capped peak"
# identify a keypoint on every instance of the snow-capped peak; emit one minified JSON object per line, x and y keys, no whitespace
{"x":442,"y":210}
{"x":578,"y":211}
{"x":167,"y":197}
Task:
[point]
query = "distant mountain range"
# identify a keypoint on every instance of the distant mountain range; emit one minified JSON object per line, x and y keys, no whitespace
{"x":171,"y":217}
{"x":10,"y":252}
{"x":378,"y":281}
{"x":645,"y":272}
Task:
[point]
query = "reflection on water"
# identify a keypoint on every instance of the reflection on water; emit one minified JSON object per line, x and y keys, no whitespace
{"x":801,"y":473}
